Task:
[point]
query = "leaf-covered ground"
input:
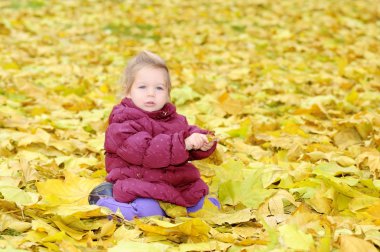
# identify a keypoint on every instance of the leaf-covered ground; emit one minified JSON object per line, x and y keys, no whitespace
{"x":291,"y":88}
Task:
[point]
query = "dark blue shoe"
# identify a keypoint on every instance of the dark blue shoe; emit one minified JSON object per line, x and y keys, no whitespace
{"x":104,"y":190}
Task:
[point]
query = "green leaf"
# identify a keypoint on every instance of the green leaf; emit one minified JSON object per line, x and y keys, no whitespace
{"x":295,"y":239}
{"x":20,"y":197}
{"x":184,"y":94}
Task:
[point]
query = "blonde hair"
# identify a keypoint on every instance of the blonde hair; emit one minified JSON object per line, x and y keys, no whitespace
{"x":143,"y":59}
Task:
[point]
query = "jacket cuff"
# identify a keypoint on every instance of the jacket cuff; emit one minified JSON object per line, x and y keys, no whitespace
{"x":199,"y":154}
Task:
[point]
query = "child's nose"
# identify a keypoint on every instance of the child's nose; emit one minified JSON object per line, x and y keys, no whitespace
{"x":151,"y":92}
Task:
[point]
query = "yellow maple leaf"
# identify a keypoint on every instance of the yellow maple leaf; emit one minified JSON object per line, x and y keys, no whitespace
{"x":73,"y":190}
{"x":350,"y":243}
{"x":372,"y":160}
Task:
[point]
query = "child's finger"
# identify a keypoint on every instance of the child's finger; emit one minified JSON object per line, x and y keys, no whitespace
{"x":197,"y":144}
{"x":204,"y":138}
{"x":201,"y":143}
{"x":200,"y":140}
{"x":206,"y":147}
{"x":209,"y":144}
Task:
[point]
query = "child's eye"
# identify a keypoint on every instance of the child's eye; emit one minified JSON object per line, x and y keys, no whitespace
{"x":141,"y":87}
{"x":160,"y":88}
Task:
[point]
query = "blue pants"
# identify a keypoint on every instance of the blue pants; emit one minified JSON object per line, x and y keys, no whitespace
{"x":143,"y":207}
{"x":140,"y":207}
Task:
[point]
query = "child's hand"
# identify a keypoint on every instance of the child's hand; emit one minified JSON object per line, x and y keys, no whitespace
{"x":211,"y":141}
{"x":196,"y":141}
{"x":207,"y":146}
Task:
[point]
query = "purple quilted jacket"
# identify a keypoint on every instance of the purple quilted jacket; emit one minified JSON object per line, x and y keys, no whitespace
{"x":146,"y":155}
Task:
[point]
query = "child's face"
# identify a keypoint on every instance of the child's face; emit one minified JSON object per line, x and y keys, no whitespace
{"x":149,"y":91}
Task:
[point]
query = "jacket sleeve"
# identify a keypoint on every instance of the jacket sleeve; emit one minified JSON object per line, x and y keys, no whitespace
{"x":136,"y":146}
{"x":199,"y":154}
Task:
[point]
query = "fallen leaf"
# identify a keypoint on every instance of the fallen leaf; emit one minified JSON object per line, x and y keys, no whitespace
{"x":353,"y":244}
{"x":294,"y":238}
{"x":73,"y":190}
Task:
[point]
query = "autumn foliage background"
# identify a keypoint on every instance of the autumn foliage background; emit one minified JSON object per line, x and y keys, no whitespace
{"x":291,"y":89}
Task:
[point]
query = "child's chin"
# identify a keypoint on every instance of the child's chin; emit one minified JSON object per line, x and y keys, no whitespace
{"x":151,"y":109}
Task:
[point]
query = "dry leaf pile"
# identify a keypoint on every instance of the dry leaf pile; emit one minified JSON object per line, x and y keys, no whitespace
{"x":291,"y":89}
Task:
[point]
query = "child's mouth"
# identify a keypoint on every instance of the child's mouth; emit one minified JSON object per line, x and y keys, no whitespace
{"x":150,"y":103}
